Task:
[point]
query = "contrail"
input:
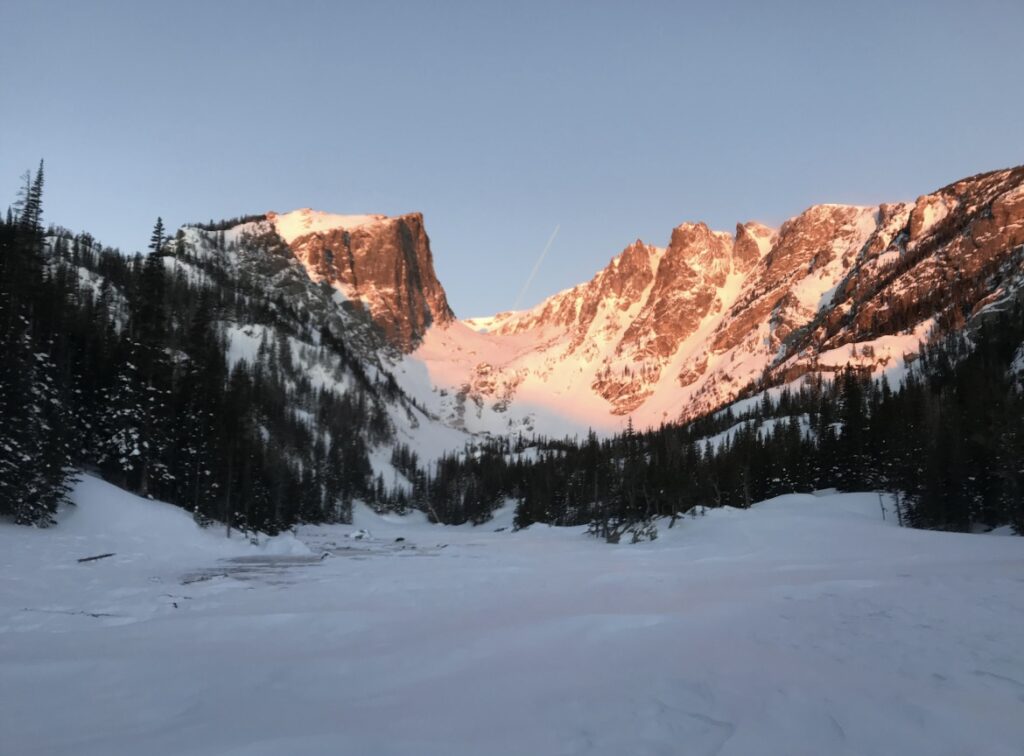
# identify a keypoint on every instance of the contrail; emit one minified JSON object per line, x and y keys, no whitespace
{"x":536,"y":267}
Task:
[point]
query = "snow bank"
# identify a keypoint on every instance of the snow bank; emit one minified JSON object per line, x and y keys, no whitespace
{"x":153,"y":543}
{"x":107,"y":518}
{"x":144,"y":536}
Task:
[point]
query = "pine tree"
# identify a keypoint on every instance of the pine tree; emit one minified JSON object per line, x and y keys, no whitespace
{"x":17,"y":212}
{"x":29,"y":204}
{"x":34,"y":207}
{"x":156,"y":240}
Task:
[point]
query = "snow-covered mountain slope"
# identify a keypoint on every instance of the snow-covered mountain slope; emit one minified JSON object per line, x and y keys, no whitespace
{"x":804,"y":625}
{"x":668,"y":334}
{"x":660,"y":334}
{"x":334,"y":342}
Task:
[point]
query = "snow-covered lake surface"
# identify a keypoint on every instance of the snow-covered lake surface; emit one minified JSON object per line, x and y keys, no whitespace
{"x":805,"y":625}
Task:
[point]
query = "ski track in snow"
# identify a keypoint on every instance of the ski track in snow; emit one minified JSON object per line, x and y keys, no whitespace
{"x":805,"y":625}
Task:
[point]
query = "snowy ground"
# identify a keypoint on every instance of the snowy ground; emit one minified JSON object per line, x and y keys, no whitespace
{"x":805,"y":625}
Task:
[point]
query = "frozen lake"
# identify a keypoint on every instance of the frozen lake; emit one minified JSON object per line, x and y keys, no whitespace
{"x":805,"y":625}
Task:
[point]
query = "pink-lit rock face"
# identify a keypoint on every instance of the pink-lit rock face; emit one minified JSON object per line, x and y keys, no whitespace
{"x":661,"y":334}
{"x":959,"y":248}
{"x":694,"y":266}
{"x":382,"y":263}
{"x":751,"y":243}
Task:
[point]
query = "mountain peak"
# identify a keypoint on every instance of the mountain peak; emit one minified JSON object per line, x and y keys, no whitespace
{"x":380,"y":263}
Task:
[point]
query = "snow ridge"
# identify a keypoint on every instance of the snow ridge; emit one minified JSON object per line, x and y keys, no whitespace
{"x":298,"y":223}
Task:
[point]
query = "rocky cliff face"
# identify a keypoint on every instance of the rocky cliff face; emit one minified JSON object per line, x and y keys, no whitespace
{"x":382,"y":264}
{"x":943,"y":258}
{"x":664,"y":334}
{"x":645,"y":303}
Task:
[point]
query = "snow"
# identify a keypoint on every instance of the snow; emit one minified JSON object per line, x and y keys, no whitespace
{"x":449,"y":359}
{"x":244,"y":342}
{"x":150,"y":541}
{"x":934,"y":208}
{"x":380,"y":461}
{"x":764,"y":237}
{"x":193,"y":275}
{"x":298,"y":223}
{"x":90,"y":281}
{"x":486,"y":323}
{"x":886,"y":356}
{"x":887,"y":258}
{"x":742,"y":406}
{"x":1017,"y":366}
{"x":765,"y":429}
{"x":805,"y":625}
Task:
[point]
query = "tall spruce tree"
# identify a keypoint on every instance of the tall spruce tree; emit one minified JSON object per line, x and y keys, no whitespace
{"x":157,"y":238}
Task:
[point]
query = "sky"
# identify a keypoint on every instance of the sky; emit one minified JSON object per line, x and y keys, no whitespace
{"x":502,"y":121}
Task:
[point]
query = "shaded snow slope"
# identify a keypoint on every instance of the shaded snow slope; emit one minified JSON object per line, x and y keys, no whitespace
{"x":805,"y":625}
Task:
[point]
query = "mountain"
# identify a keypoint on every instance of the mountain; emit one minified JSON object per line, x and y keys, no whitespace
{"x":275,"y":368}
{"x":668,"y":334}
{"x":225,"y":371}
{"x":661,"y":334}
{"x":350,"y":294}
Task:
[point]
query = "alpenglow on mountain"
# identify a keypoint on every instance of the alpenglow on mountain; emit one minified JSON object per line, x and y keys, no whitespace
{"x":668,"y":333}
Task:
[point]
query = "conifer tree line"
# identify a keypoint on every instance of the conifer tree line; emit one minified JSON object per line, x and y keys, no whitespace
{"x":36,"y":441}
{"x":119,"y":365}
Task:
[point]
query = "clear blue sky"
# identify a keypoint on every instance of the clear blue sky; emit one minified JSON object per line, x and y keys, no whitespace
{"x":499,"y":121}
